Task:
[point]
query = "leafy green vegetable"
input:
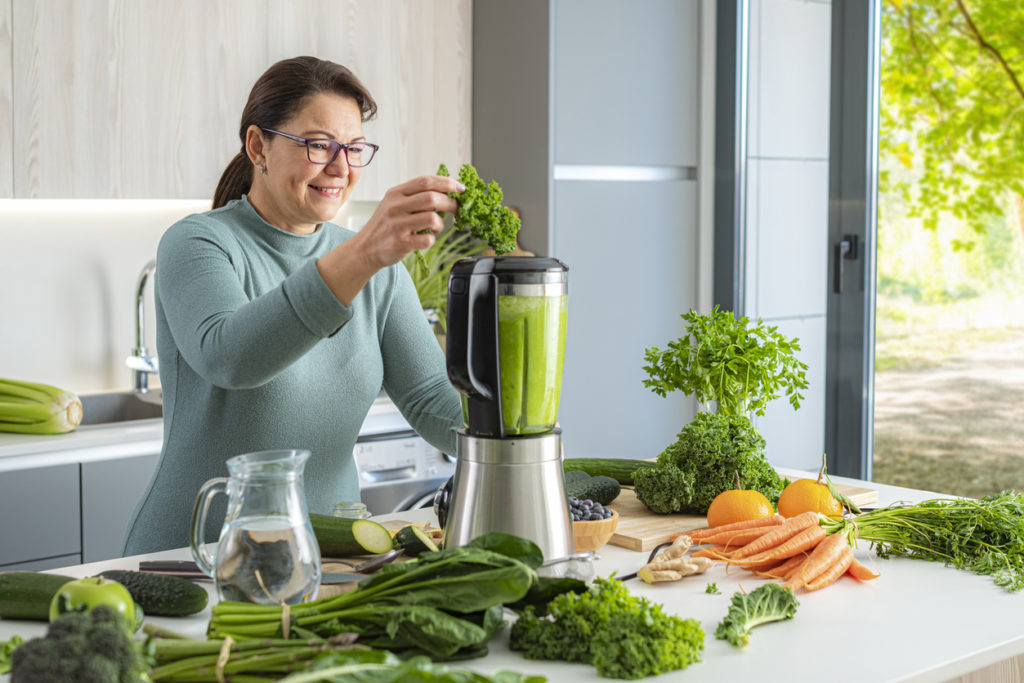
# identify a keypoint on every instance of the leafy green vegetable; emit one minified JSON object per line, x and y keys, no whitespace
{"x":429,"y":268}
{"x":303,"y":661}
{"x":768,"y":603}
{"x":702,"y":463}
{"x":724,"y":358}
{"x":621,"y":634}
{"x":713,"y":589}
{"x":6,"y":648}
{"x":443,"y":604}
{"x":985,"y":536}
{"x":384,"y":667}
{"x":95,"y":646}
{"x":481,"y":212}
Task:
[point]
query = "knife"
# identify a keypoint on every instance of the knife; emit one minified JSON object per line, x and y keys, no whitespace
{"x":190,"y":570}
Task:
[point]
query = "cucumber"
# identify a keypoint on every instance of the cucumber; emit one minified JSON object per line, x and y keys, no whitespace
{"x":414,"y":540}
{"x":161,"y":595}
{"x":619,"y":469}
{"x":346,"y":537}
{"x":27,"y":595}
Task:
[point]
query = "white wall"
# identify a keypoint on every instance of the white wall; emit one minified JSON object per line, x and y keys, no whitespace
{"x":787,"y":205}
{"x":68,"y":273}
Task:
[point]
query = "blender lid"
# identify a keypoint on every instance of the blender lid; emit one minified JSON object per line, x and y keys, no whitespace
{"x":529,"y":269}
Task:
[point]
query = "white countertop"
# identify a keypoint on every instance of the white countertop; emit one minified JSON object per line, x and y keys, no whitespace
{"x":85,"y":444}
{"x":920,"y":621}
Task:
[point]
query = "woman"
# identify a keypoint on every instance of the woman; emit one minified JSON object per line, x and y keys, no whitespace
{"x":276,"y":328}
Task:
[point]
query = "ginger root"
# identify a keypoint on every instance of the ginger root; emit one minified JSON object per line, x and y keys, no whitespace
{"x":673,"y":564}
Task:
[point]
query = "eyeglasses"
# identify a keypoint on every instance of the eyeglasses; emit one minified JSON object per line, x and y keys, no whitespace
{"x":325,"y":150}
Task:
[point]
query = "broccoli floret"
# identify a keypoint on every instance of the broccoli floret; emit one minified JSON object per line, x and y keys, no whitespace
{"x":703,"y":462}
{"x":621,"y":634}
{"x":481,"y":213}
{"x":770,"y":602}
{"x":86,"y":647}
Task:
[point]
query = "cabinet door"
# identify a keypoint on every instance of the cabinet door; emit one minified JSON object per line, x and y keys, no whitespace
{"x":626,"y":82}
{"x":110,"y":491}
{"x":631,"y":275}
{"x":143,"y":100}
{"x":39,"y":509}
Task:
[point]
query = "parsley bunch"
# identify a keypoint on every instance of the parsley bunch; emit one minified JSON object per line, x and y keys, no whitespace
{"x":621,"y":634}
{"x":481,"y":213}
{"x":725,"y":358}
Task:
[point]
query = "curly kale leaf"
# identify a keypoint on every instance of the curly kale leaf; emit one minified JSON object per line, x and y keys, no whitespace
{"x":771,"y":602}
{"x":621,"y":634}
{"x":481,"y":212}
{"x":702,"y":463}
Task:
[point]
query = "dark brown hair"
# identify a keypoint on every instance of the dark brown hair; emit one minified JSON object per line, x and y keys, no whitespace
{"x":278,"y":94}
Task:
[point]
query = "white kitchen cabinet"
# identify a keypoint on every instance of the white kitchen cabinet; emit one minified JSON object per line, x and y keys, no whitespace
{"x":110,"y":491}
{"x":142,"y":99}
{"x":39,"y":509}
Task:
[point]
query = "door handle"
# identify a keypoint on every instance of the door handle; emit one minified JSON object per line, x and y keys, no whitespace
{"x":845,"y":250}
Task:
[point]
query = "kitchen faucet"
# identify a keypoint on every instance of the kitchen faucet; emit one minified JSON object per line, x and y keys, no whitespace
{"x":140,"y":362}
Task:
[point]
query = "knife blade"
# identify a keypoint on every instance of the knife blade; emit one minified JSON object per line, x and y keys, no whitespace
{"x":190,"y":570}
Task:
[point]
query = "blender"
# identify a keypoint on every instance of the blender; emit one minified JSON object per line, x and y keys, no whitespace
{"x":505,"y":351}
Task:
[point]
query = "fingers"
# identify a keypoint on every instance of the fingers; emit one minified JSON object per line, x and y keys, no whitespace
{"x":431,"y":183}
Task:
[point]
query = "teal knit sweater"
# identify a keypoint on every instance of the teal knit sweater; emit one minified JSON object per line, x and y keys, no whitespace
{"x":256,"y":353}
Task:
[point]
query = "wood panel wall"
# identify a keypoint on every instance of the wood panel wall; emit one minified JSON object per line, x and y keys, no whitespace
{"x":129,"y":99}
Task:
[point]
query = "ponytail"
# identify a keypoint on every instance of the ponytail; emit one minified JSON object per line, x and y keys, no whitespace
{"x":235,"y":181}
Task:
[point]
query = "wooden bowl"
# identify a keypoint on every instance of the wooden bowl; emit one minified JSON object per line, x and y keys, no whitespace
{"x":595,"y":533}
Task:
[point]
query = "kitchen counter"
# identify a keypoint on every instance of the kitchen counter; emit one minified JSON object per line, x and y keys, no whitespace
{"x":920,"y":621}
{"x":85,"y":444}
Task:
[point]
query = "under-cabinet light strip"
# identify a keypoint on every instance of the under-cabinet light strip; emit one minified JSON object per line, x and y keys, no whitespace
{"x":627,"y":173}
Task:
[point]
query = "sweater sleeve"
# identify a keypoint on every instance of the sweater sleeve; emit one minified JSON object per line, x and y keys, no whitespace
{"x":231,"y":339}
{"x":415,"y":377}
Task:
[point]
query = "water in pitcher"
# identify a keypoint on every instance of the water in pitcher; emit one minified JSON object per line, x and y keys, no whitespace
{"x":263,"y":560}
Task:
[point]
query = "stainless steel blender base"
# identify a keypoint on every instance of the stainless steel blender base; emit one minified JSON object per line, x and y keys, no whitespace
{"x":513,"y":485}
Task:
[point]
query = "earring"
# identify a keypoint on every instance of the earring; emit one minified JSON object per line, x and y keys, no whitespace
{"x":263,"y":169}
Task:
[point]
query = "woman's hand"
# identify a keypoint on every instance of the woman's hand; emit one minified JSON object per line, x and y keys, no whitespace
{"x":405,"y":220}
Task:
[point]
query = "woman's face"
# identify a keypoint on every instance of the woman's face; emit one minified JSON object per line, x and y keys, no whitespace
{"x":295,"y":194}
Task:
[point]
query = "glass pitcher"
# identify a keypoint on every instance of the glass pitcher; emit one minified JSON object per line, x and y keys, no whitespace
{"x":267,"y":553}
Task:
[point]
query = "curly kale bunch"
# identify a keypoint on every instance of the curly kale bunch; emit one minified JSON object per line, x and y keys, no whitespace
{"x":771,"y":602}
{"x":621,"y":634}
{"x":703,"y":462}
{"x":85,"y":647}
{"x":481,"y":212}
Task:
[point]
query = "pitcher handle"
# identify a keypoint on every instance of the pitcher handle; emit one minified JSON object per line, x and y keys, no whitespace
{"x":204,"y":559}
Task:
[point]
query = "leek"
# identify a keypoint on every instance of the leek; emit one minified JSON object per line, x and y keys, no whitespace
{"x":33,"y":408}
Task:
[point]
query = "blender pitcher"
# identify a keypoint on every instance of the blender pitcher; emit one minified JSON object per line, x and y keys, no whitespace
{"x":505,"y":350}
{"x":267,"y":553}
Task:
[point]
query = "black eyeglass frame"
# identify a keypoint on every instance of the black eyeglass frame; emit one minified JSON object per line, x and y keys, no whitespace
{"x":333,"y":144}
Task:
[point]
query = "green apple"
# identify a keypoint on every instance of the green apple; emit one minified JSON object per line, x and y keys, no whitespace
{"x":84,"y":594}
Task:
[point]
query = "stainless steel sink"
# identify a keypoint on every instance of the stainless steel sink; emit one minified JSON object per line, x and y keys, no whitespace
{"x":121,"y":406}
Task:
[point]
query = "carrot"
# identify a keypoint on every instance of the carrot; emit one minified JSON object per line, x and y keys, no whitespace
{"x":806,"y":540}
{"x":735,"y":539}
{"x":698,"y":534}
{"x":820,"y":559}
{"x":715,"y":552}
{"x":860,"y":572}
{"x":780,"y":534}
{"x":837,"y":569}
{"x":782,"y":569}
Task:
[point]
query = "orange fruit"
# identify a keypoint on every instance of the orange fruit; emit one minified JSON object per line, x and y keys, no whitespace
{"x":738,"y":505}
{"x":808,"y":494}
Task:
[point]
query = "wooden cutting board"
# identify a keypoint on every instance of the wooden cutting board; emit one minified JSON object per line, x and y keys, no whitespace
{"x":640,"y":529}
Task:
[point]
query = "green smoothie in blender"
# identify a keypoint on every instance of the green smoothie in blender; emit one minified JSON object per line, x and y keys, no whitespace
{"x":531,"y":330}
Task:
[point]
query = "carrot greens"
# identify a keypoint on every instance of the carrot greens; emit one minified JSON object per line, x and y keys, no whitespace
{"x":985,"y":536}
